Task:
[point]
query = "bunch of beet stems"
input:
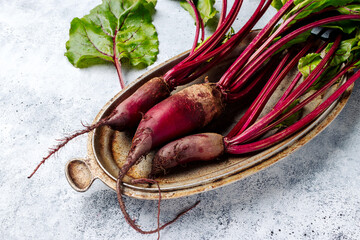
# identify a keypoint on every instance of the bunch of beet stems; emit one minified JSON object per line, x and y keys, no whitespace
{"x":189,"y":69}
{"x":245,"y":137}
{"x":195,"y":106}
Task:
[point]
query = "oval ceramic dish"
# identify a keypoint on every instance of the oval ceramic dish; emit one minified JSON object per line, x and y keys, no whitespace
{"x":197,"y":177}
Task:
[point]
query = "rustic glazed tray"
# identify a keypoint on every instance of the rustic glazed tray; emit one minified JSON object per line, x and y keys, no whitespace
{"x":100,"y":162}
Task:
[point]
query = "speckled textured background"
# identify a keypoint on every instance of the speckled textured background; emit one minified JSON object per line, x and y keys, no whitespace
{"x":313,"y":194}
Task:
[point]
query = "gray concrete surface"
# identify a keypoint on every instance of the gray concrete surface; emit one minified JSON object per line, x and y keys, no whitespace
{"x":313,"y":194}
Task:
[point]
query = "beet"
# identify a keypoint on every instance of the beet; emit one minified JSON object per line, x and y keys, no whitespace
{"x":198,"y":147}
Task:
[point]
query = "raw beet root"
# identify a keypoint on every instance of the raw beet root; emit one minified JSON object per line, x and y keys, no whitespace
{"x":198,"y":147}
{"x":129,"y":112}
{"x":183,"y":112}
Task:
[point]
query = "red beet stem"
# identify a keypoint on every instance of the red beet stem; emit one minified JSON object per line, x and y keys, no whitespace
{"x":223,"y":13}
{"x":117,"y":62}
{"x":199,"y":26}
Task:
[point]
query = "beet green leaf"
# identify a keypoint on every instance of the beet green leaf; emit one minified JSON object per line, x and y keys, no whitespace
{"x":205,"y":7}
{"x":114,"y":30}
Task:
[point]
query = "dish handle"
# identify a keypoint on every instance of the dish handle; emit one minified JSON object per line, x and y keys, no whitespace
{"x":78,"y":174}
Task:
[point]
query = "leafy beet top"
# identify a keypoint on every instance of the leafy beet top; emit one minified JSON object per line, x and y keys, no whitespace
{"x":114,"y":30}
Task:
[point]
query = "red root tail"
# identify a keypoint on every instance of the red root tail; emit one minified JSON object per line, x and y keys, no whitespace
{"x":131,"y":222}
{"x":64,"y":141}
{"x":151,"y":181}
